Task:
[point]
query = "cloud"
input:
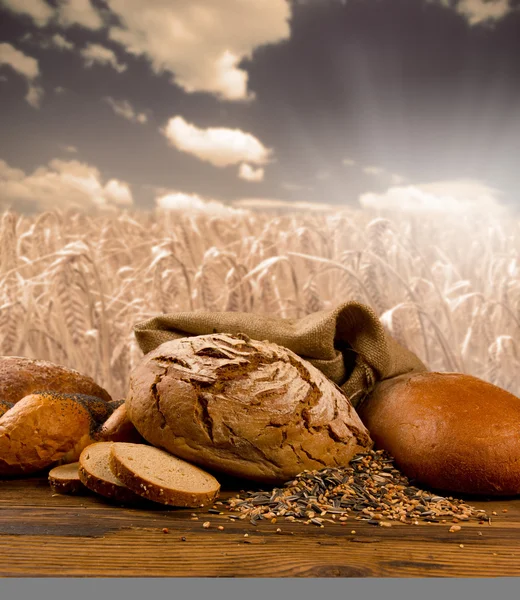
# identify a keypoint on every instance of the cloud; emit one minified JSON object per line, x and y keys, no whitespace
{"x":323,"y":174}
{"x":217,"y":145}
{"x":38,"y":10}
{"x":27,"y":67}
{"x":61,"y":184}
{"x":397,"y":179}
{"x":59,"y":90}
{"x":376,"y":171}
{"x":57,"y":41}
{"x":34,"y":95}
{"x":457,"y":196}
{"x":67,"y":14}
{"x":348,"y":162}
{"x":247,"y":172}
{"x":296,"y":187}
{"x":61,"y":42}
{"x":117,"y":192}
{"x":70,"y":149}
{"x":182,"y":202}
{"x":96,"y":53}
{"x":124,"y":109}
{"x":202,"y":42}
{"x":379,"y":172}
{"x":273,"y":203}
{"x":477,"y":12}
{"x":79,"y":12}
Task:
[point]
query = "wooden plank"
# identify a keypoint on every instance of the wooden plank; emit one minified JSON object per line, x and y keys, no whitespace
{"x":42,"y":534}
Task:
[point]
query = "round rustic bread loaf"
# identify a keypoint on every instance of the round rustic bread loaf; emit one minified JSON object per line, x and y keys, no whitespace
{"x":21,"y":376}
{"x":242,"y":407}
{"x":448,"y":431}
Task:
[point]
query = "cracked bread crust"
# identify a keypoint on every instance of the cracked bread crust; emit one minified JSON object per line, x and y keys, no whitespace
{"x":243,"y":407}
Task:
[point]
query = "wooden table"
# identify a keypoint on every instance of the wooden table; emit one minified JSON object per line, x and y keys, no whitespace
{"x":42,"y":534}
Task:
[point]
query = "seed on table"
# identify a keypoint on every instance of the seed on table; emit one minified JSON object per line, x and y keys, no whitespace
{"x":206,"y":524}
{"x":356,"y":488}
{"x":220,"y":527}
{"x":455,"y":528}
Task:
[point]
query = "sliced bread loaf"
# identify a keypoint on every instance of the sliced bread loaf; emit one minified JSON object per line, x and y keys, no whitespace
{"x":65,"y":479}
{"x":161,"y":477}
{"x":95,"y":473}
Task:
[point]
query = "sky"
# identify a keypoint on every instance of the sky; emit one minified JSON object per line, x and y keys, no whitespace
{"x":388,"y":104}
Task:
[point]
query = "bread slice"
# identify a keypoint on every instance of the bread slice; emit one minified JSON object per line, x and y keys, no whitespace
{"x":162,"y":477}
{"x":65,"y":479}
{"x":95,"y":474}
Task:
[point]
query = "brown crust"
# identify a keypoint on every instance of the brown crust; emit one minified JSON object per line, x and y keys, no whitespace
{"x":64,"y":484}
{"x":242,"y":407}
{"x":448,"y":431}
{"x":47,"y":428}
{"x":151,"y":491}
{"x":105,"y":488}
{"x":21,"y":376}
{"x":5,"y":406}
{"x":119,"y":428}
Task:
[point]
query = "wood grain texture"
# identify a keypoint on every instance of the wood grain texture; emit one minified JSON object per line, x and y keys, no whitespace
{"x":42,"y":535}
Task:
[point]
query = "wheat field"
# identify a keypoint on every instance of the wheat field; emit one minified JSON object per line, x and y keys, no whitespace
{"x":72,"y":285}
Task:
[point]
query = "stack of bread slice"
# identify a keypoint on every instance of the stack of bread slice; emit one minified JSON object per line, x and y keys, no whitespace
{"x":131,"y":473}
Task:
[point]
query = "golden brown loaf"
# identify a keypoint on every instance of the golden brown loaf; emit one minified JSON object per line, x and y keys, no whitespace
{"x":243,"y":407}
{"x":47,"y":428}
{"x":448,"y":431}
{"x":21,"y":376}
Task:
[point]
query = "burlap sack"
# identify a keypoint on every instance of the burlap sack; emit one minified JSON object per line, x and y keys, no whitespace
{"x":348,"y":344}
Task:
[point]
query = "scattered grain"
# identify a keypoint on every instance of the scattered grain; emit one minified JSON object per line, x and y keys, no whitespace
{"x":371,"y":487}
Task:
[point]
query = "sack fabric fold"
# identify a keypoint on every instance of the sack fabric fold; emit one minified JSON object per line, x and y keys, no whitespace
{"x":348,"y":344}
